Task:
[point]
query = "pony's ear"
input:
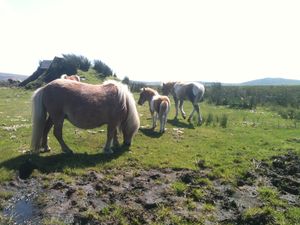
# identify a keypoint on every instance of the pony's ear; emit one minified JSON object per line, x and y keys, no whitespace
{"x":142,"y":89}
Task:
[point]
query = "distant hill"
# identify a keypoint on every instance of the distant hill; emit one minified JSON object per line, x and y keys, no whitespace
{"x":271,"y":81}
{"x":5,"y":76}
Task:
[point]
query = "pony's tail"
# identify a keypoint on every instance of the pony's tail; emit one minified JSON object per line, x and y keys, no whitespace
{"x":38,"y":120}
{"x":163,"y":109}
{"x":199,"y":96}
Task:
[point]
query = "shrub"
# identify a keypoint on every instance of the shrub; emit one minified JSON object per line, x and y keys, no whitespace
{"x":209,"y":119}
{"x":102,"y":68}
{"x":223,"y":121}
{"x":180,"y":188}
{"x":79,"y":62}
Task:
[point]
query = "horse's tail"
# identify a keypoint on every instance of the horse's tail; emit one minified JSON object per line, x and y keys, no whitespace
{"x":38,"y":119}
{"x":164,"y":108}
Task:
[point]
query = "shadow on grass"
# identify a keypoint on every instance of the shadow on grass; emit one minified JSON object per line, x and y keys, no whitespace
{"x":177,"y":123}
{"x":25,"y":164}
{"x":149,"y":132}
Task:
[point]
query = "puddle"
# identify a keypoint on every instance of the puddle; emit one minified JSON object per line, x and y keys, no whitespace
{"x":22,"y":211}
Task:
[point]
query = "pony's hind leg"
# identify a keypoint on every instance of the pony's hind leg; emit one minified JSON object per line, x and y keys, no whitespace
{"x":192,"y":114}
{"x":48,"y":125}
{"x":154,"y":119}
{"x":163,"y":120}
{"x":197,"y":108}
{"x":58,"y":125}
{"x":181,"y":109}
{"x":176,"y":108}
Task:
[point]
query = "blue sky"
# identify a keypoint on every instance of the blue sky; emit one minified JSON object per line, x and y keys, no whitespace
{"x":216,"y":40}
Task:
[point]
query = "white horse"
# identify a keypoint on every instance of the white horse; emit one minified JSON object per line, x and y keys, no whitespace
{"x":159,"y":106}
{"x":180,"y":91}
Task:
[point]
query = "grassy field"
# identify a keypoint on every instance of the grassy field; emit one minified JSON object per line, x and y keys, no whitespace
{"x":228,"y":142}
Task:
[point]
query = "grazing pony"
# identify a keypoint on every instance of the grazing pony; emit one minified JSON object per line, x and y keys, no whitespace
{"x":71,"y":77}
{"x":86,"y":106}
{"x":180,"y":91}
{"x":159,"y":106}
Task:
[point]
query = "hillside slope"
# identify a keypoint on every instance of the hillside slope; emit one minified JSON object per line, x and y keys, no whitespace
{"x":271,"y":81}
{"x":5,"y":76}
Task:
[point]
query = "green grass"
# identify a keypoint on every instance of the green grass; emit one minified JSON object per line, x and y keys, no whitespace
{"x":227,"y":150}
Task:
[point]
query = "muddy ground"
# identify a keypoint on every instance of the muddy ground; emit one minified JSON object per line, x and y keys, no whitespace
{"x":138,"y":196}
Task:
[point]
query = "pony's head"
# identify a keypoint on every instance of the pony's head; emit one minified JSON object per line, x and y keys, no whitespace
{"x":146,"y":95}
{"x":131,"y":123}
{"x":167,"y":87}
{"x":70,"y":77}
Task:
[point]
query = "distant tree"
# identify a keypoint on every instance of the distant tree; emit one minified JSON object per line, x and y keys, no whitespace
{"x":126,"y":80}
{"x":216,"y":93}
{"x":102,"y":68}
{"x":79,"y":62}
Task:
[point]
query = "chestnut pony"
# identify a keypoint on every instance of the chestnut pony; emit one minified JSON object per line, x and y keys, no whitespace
{"x":193,"y":91}
{"x":159,"y":106}
{"x":86,"y":106}
{"x":70,"y":77}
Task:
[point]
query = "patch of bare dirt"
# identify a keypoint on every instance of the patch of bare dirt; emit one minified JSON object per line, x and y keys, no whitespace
{"x":140,"y":196}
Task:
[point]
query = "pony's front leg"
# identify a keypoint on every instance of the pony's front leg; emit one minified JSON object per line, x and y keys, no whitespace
{"x":181,"y":109}
{"x":109,"y":140}
{"x":116,"y":143}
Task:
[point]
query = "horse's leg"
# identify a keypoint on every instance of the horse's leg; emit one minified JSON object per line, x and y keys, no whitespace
{"x":154,"y":118}
{"x":181,"y":109}
{"x":58,"y":125}
{"x":49,"y":124}
{"x":163,"y":120}
{"x":192,"y":114}
{"x":197,"y":108}
{"x":110,"y":135}
{"x":176,"y":108}
{"x":160,"y":116}
{"x":115,"y":139}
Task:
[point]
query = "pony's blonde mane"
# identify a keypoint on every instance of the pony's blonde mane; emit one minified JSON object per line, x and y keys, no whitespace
{"x":132,"y":122}
{"x":151,"y":90}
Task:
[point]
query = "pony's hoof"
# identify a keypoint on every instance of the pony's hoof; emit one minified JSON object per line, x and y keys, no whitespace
{"x":68,"y":152}
{"x":108,"y":151}
{"x":127,"y":144}
{"x":46,"y":149}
